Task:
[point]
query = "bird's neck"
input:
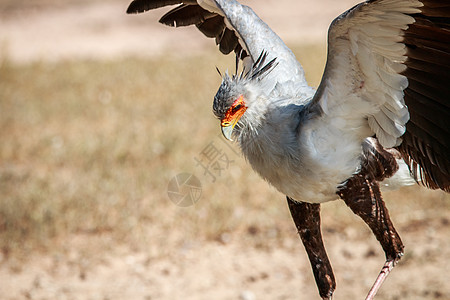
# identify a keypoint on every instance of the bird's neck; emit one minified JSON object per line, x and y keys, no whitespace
{"x":270,"y":131}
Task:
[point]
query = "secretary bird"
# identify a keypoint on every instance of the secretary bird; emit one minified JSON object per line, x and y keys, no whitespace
{"x":384,"y":96}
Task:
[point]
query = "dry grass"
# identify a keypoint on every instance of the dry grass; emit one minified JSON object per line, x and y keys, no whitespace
{"x":88,"y":147}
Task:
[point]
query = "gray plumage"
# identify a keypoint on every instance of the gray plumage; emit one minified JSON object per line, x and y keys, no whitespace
{"x":383,"y":100}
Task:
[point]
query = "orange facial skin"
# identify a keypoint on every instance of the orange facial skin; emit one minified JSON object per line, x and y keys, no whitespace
{"x":234,"y":113}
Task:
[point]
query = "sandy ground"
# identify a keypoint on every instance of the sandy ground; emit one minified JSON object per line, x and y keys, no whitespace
{"x":90,"y":269}
{"x":196,"y":270}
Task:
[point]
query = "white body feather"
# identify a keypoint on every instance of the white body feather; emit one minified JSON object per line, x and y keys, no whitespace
{"x":306,"y":144}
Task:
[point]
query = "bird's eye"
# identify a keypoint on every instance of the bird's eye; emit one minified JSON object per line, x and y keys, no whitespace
{"x":236,"y":108}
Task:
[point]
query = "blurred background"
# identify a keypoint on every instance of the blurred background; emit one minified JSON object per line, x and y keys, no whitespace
{"x":99,"y":110}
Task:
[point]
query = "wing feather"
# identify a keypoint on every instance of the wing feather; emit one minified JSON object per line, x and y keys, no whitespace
{"x":139,"y":6}
{"x":389,"y":62}
{"x":426,"y":143}
{"x":234,"y":27}
{"x":185,"y":15}
{"x":371,"y":64}
{"x":227,"y":42}
{"x":212,"y":27}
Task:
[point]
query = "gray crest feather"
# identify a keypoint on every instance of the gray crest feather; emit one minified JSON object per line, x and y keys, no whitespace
{"x":232,"y":86}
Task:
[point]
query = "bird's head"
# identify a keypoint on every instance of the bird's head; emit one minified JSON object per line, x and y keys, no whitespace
{"x":239,"y":93}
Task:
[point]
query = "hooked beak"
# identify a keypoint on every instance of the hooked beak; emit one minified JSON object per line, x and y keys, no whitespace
{"x":229,"y":123}
{"x":227,"y":131}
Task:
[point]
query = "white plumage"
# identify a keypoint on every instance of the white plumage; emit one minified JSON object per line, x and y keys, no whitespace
{"x":336,"y":142}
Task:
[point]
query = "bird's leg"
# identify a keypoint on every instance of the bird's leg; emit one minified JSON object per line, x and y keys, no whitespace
{"x":387,"y":268}
{"x":363,"y":196}
{"x":307,"y":220}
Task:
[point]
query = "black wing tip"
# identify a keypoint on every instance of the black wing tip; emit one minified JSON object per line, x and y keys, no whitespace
{"x":187,"y":13}
{"x":136,"y":7}
{"x":132,"y":11}
{"x":168,"y":22}
{"x":140,"y":6}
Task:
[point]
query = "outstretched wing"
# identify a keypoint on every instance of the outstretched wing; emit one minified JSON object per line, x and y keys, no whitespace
{"x":389,"y":64}
{"x":426,"y":142}
{"x":235,"y":27}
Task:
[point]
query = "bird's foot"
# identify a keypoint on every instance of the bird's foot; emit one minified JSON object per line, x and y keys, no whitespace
{"x":387,"y":268}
